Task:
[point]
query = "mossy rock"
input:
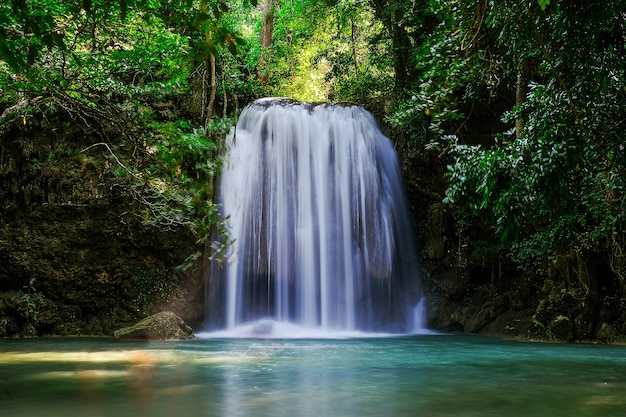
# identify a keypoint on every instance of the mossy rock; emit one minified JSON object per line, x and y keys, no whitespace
{"x":560,"y":329}
{"x":161,"y":326}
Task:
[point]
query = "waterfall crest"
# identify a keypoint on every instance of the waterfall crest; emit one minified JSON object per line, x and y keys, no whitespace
{"x":319,"y":227}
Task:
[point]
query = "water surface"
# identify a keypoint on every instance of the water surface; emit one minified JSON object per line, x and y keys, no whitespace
{"x":430,"y":376}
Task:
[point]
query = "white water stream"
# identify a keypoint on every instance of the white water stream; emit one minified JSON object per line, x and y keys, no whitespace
{"x":321,"y":235}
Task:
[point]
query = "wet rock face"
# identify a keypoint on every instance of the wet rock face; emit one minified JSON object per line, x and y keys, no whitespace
{"x":487,"y":314}
{"x":75,"y":256}
{"x":161,"y":326}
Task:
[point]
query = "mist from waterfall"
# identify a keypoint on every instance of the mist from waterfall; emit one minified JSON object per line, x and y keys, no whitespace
{"x":321,"y":237}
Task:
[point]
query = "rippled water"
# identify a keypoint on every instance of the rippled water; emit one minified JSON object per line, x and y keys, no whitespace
{"x":430,"y":376}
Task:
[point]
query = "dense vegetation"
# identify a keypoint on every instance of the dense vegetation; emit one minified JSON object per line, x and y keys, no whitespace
{"x":523,"y":101}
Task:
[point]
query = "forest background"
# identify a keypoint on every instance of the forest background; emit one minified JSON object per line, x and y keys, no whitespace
{"x":509,"y":118}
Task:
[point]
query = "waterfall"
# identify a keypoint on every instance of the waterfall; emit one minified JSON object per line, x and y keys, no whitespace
{"x":319,"y":230}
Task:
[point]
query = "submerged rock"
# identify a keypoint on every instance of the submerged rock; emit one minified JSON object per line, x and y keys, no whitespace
{"x":161,"y":326}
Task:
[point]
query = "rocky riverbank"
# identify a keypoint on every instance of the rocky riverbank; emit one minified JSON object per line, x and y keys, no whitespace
{"x":473,"y":290}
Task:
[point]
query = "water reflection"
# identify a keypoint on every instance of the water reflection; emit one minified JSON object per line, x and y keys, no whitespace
{"x":436,"y":376}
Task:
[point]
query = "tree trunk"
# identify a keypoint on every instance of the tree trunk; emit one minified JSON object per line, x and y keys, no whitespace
{"x":225,"y":98}
{"x":267,"y":30}
{"x":211,"y":105}
{"x":521,"y":90}
{"x":387,"y":12}
{"x":353,"y":29}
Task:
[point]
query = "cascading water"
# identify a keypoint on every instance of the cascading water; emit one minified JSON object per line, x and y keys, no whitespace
{"x":319,"y":227}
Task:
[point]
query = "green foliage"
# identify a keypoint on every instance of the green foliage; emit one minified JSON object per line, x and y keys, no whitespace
{"x":28,"y":302}
{"x":543,"y":4}
{"x":29,"y":28}
{"x":360,"y":62}
{"x":7,"y":325}
{"x":563,"y":179}
{"x":185,"y":151}
{"x":444,"y":77}
{"x":296,"y":72}
{"x":105,"y":64}
{"x":325,"y":50}
{"x":176,"y":187}
{"x":112,"y":67}
{"x":104,"y":53}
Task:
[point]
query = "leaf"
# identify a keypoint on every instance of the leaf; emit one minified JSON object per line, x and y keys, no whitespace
{"x":543,"y":4}
{"x":222,"y":6}
{"x":7,"y":56}
{"x":216,"y":10}
{"x":57,"y":38}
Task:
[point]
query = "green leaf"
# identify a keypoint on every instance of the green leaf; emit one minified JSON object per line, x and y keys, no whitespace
{"x":7,"y":56}
{"x":543,"y":4}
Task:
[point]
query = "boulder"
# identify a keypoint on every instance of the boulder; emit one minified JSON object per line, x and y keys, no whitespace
{"x":161,"y":326}
{"x":560,"y":329}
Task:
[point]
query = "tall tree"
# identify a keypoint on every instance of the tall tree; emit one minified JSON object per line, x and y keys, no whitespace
{"x":267,"y":33}
{"x":408,"y":22}
{"x":392,"y":14}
